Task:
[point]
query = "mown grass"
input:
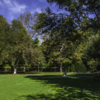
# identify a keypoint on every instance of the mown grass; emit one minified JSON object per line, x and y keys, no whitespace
{"x":49,"y":86}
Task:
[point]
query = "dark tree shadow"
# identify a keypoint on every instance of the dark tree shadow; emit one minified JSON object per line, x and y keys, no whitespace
{"x":64,"y":94}
{"x":71,"y":88}
{"x":77,"y":82}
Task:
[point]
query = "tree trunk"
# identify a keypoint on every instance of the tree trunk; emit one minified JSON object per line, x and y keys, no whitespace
{"x":61,"y":67}
{"x":38,"y":67}
{"x":15,"y":70}
{"x":12,"y":69}
{"x":24,"y":70}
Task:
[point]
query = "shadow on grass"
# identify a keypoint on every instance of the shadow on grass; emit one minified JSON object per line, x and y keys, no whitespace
{"x":71,"y":88}
{"x":86,"y":74}
{"x":77,"y":82}
{"x":64,"y":94}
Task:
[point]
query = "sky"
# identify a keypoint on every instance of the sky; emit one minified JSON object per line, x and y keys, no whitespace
{"x":12,"y":9}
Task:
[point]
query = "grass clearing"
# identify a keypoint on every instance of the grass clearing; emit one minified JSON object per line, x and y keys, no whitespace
{"x":49,"y":86}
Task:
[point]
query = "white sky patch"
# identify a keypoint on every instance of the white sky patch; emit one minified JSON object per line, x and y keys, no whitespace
{"x":38,"y":10}
{"x":40,"y":41}
{"x":13,"y":6}
{"x":7,"y":2}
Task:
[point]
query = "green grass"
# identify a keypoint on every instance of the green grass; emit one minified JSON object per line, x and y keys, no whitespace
{"x":49,"y":86}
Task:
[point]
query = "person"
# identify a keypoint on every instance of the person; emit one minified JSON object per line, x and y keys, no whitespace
{"x":64,"y":74}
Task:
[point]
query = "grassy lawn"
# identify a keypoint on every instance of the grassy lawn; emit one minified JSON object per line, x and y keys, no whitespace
{"x":49,"y":86}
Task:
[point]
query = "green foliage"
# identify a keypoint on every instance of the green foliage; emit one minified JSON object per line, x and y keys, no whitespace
{"x":69,"y":39}
{"x":79,"y":67}
{"x":35,"y":42}
{"x":93,"y":64}
{"x":75,"y":67}
{"x":27,"y":21}
{"x":4,"y":35}
{"x":18,"y":42}
{"x":6,"y":65}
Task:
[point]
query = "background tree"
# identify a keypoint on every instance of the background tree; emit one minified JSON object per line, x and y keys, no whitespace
{"x":76,"y":27}
{"x":28,"y":22}
{"x":19,"y":42}
{"x":38,"y":57}
{"x":59,"y":32}
{"x":4,"y":44}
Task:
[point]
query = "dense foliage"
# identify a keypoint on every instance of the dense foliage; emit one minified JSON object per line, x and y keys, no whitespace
{"x":70,"y":40}
{"x":72,"y":37}
{"x":17,"y":48}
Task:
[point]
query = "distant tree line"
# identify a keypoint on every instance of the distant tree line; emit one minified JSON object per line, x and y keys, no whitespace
{"x":70,"y":40}
{"x":17,"y":48}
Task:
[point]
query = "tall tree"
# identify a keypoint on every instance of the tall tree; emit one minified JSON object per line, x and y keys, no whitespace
{"x":4,"y":34}
{"x":59,"y":33}
{"x":19,"y":42}
{"x":27,"y":20}
{"x":76,"y":27}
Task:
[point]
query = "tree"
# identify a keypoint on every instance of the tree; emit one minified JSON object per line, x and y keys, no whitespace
{"x":27,"y":20}
{"x":91,"y":51}
{"x":17,"y":47}
{"x":38,"y":58}
{"x":75,"y":28}
{"x":19,"y":44}
{"x":80,"y":11}
{"x":59,"y":32}
{"x":4,"y":44}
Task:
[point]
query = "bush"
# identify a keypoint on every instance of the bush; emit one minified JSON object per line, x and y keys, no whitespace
{"x":76,"y":67}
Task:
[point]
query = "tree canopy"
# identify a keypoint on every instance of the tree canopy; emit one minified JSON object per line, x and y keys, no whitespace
{"x":70,"y":40}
